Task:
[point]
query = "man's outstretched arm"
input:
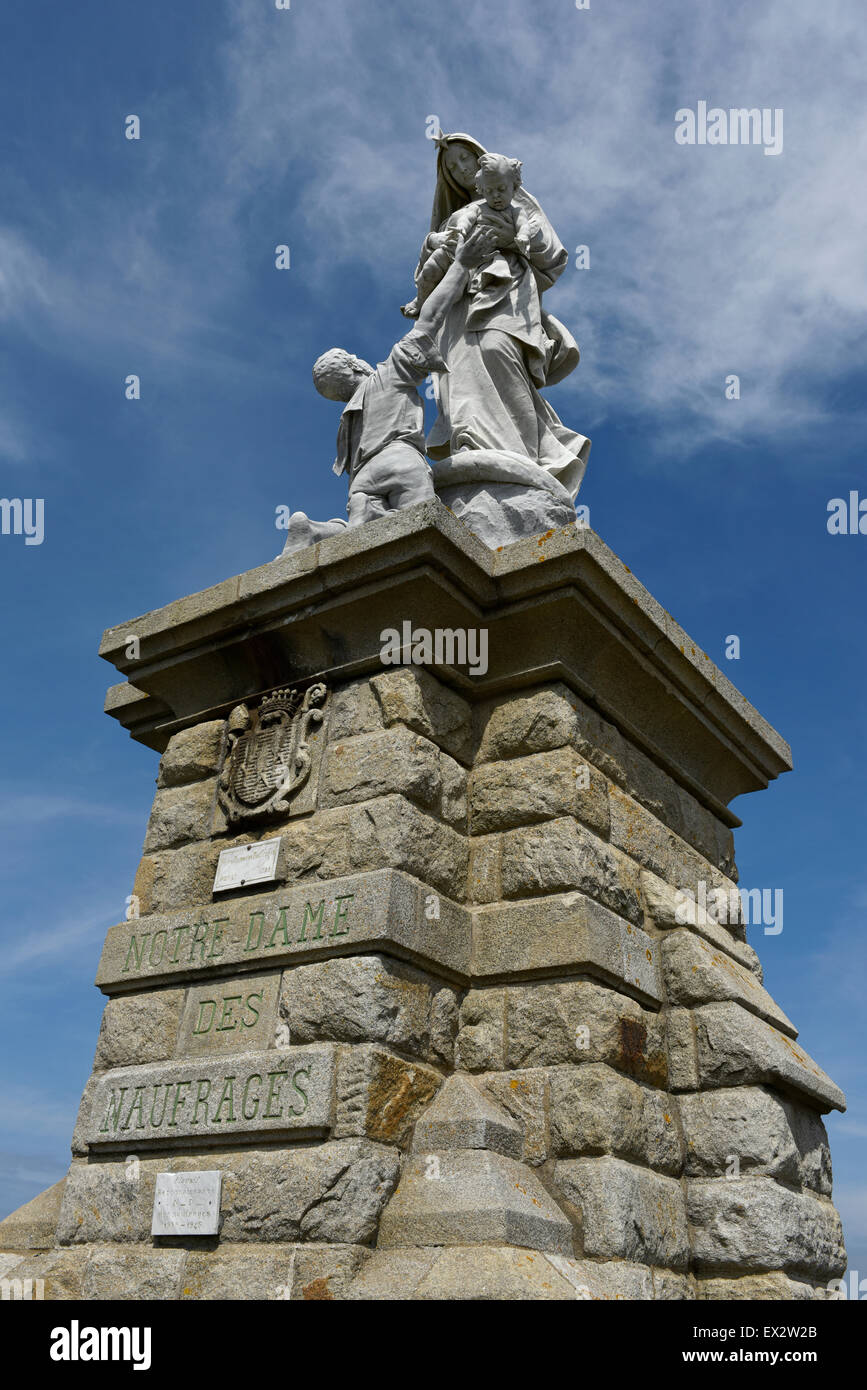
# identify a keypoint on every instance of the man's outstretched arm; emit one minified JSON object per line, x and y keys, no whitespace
{"x":473,"y":251}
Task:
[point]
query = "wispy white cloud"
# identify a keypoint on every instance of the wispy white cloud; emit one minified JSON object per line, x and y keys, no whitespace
{"x":704,"y":261}
{"x":70,"y":944}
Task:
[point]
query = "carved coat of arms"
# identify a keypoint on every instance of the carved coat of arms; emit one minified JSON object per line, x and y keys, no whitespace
{"x":268,"y":758}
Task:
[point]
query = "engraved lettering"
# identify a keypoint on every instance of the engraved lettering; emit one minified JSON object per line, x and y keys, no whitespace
{"x":214,"y":954}
{"x":251,"y":1008}
{"x":340,"y":914}
{"x":112,"y":1116}
{"x":201,"y":1099}
{"x":224,"y":1026}
{"x":276,"y":1079}
{"x":254,"y":1112}
{"x":227,"y":1098}
{"x":279,"y":925}
{"x":313,"y":918}
{"x":201,"y":1026}
{"x":251,"y":944}
{"x":137,"y":1103}
{"x":164,"y":934}
{"x":178,"y":940}
{"x":136,"y":951}
{"x":179,"y":1101}
{"x":301,"y":1071}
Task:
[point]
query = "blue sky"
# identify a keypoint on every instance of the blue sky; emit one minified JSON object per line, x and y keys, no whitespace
{"x":307,"y":127}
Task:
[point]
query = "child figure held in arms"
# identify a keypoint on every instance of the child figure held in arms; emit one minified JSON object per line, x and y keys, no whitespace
{"x":497,"y":180}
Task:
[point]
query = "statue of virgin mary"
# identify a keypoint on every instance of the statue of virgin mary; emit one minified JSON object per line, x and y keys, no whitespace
{"x":498,"y":343}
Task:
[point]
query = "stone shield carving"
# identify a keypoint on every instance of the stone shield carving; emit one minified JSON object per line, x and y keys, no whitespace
{"x":268,"y":759}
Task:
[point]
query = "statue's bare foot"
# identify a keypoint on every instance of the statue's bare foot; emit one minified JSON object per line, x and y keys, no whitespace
{"x":302,"y":532}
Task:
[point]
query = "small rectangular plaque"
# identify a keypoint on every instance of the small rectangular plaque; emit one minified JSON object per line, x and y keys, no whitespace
{"x":245,"y":864}
{"x":187,"y":1204}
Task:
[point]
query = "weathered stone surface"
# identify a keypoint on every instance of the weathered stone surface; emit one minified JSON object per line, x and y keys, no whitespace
{"x":378,"y":764}
{"x":639,"y":834}
{"x":669,"y":910}
{"x":559,"y":855}
{"x":390,"y":830}
{"x":472,"y":1197}
{"x":745,"y":1123}
{"x":380,"y":1095}
{"x":354,"y":710}
{"x":412,"y":696}
{"x":579,"y":1021}
{"x":484,"y":884}
{"x":682,"y":1060}
{"x":759,"y":1287}
{"x":734,"y":1047}
{"x":698,"y":826}
{"x":491,"y":1272}
{"x":290,"y":925}
{"x":62,"y":1272}
{"x":180,"y":814}
{"x":213,"y":1098}
{"x":133,"y":1276}
{"x":324,"y":1272}
{"x":480,"y":1042}
{"x":524,"y":1094}
{"x":33,"y":1225}
{"x":237,"y":1014}
{"x":453,"y":796}
{"x":462,"y":1117}
{"x":246,"y":1271}
{"x":572,"y":932}
{"x":537,"y":788}
{"x":193,"y":754}
{"x":444,"y":1025}
{"x":754,"y":1223}
{"x":529,"y":724}
{"x":671,"y":1288}
{"x":626,"y":1211}
{"x":697,"y":973}
{"x":595,"y":1110}
{"x":316,"y":848}
{"x":139,"y":1028}
{"x":332,"y":1192}
{"x":555,"y":717}
{"x":811,"y":1140}
{"x":177,"y":878}
{"x":361,"y":999}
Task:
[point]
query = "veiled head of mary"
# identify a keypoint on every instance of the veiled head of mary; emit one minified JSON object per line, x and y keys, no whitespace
{"x":457,"y":165}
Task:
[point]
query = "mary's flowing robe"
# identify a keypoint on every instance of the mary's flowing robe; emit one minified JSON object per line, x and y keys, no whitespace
{"x":500,"y":348}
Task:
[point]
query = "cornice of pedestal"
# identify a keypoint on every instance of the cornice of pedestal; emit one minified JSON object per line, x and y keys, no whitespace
{"x":560,"y":606}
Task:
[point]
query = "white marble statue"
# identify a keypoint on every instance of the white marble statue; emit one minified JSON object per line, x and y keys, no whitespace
{"x":497,"y":179}
{"x":498,"y":343}
{"x":380,"y":441}
{"x":503,"y":462}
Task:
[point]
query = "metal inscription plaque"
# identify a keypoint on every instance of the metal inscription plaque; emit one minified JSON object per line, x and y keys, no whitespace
{"x":245,"y":864}
{"x":187,"y":1204}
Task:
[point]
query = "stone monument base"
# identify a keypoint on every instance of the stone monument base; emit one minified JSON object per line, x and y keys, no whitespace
{"x":475,"y":1036}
